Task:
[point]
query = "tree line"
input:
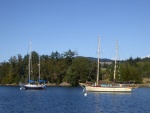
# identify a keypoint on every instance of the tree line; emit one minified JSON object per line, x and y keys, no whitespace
{"x":67,"y":67}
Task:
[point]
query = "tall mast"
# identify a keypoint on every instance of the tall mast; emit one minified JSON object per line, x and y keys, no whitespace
{"x":39,"y":67}
{"x":29,"y":60}
{"x":98,"y":60}
{"x":116,"y":58}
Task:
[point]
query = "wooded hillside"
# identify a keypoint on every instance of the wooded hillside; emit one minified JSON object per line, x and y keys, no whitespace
{"x":66,"y":67}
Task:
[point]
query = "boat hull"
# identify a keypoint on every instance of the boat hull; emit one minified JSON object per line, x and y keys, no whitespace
{"x":107,"y":89}
{"x":33,"y":86}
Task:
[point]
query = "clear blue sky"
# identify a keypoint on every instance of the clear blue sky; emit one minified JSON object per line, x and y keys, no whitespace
{"x":60,"y":25}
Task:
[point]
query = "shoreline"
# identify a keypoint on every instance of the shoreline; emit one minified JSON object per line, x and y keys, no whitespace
{"x":48,"y":84}
{"x":68,"y":85}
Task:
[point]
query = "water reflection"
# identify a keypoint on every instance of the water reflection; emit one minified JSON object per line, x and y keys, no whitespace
{"x":107,"y":102}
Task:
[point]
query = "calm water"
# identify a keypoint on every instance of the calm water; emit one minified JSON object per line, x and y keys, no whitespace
{"x":72,"y":100}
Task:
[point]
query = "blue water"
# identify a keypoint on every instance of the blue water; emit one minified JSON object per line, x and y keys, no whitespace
{"x":72,"y":100}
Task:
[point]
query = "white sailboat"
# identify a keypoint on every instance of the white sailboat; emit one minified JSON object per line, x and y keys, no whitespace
{"x":109,"y":87}
{"x":32,"y":84}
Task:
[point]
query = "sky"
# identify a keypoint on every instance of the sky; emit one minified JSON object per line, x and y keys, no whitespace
{"x":60,"y":25}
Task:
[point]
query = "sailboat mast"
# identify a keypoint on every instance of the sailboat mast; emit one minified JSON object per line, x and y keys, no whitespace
{"x":116,"y":58}
{"x":39,"y":67}
{"x":98,"y":60}
{"x":29,"y":60}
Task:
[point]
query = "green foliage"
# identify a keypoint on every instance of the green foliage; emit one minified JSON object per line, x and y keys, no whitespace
{"x":78,"y":71}
{"x":130,"y":73}
{"x":58,"y":68}
{"x":126,"y":71}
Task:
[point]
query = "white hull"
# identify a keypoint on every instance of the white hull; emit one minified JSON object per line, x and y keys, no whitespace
{"x":107,"y":89}
{"x":33,"y":86}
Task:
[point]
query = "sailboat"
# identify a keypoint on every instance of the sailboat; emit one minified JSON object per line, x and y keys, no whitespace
{"x":109,"y":87}
{"x":32,"y":84}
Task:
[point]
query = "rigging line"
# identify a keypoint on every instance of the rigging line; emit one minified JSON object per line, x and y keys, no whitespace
{"x":121,"y":53}
{"x":112,"y":55}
